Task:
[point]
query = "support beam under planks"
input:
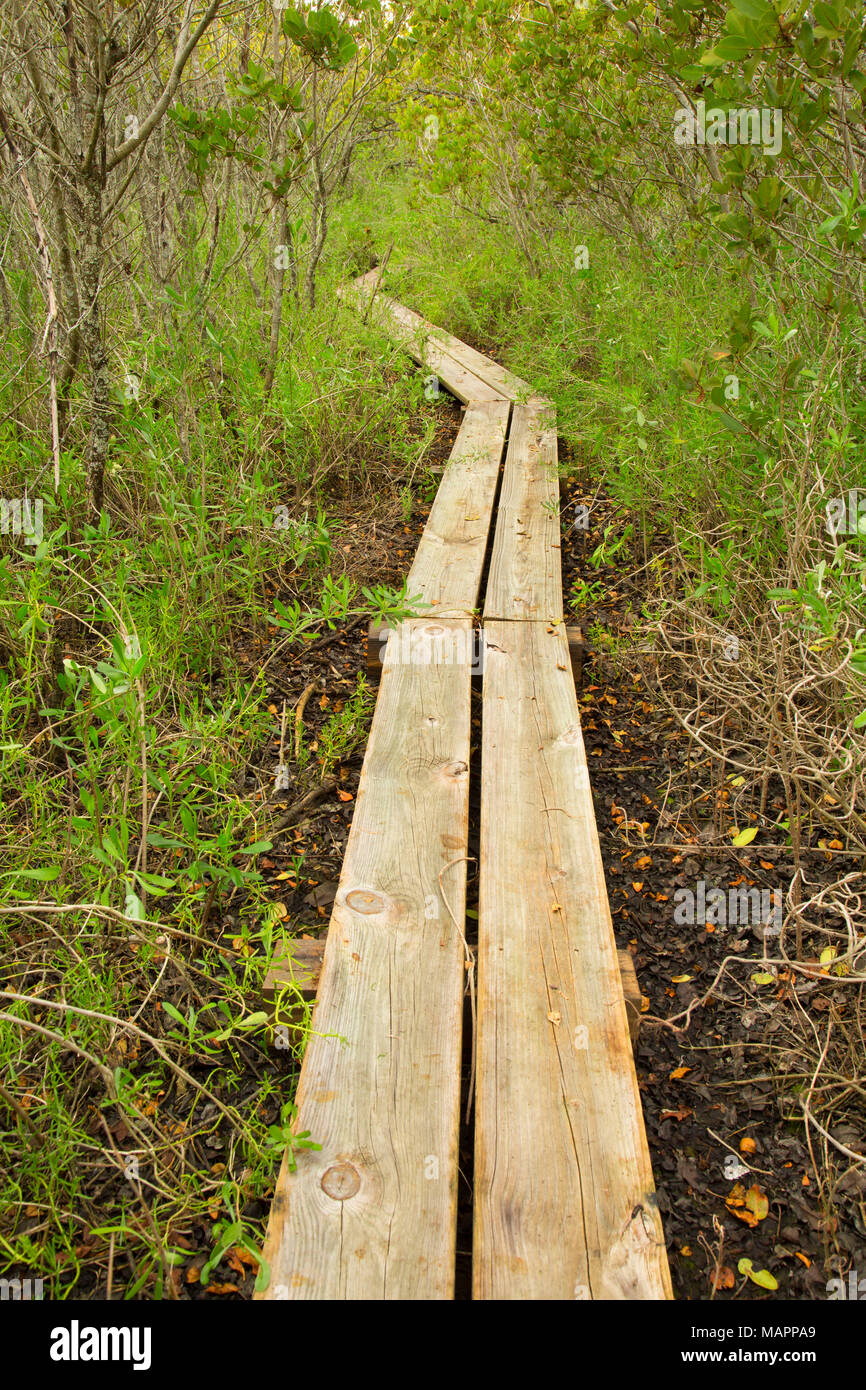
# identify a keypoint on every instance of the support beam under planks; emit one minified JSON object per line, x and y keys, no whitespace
{"x":525,"y":579}
{"x":373,"y":1214}
{"x":564,"y":1199}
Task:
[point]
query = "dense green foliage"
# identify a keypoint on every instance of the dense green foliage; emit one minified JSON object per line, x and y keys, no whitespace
{"x":526,"y":170}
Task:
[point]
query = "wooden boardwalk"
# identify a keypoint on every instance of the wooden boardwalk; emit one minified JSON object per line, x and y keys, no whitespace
{"x":564,"y":1205}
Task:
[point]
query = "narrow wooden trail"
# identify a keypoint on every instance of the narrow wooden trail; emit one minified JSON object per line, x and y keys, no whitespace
{"x":564,"y":1205}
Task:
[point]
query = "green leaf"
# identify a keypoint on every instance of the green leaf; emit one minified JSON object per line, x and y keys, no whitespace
{"x":732,"y":48}
{"x":745,"y":837}
{"x":110,"y":845}
{"x":753,"y":9}
{"x":42,"y":875}
{"x":263,"y":1278}
{"x":160,"y":841}
{"x":762,"y":1277}
{"x":826,"y":22}
{"x":258,"y":848}
{"x":155,"y":881}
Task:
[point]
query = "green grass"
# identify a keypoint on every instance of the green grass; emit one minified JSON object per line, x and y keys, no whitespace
{"x":134,"y":654}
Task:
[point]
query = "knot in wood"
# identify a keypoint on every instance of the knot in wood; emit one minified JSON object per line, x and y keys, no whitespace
{"x":340,"y":1181}
{"x":361,"y":900}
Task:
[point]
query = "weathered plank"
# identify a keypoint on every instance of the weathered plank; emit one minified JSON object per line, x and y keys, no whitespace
{"x":450,"y":557}
{"x":372,"y":1215}
{"x":378,"y":634}
{"x":498,"y":378}
{"x":421,"y":341}
{"x":564,"y":1200}
{"x":525,"y":579}
{"x":506,"y":383}
{"x":301,"y":966}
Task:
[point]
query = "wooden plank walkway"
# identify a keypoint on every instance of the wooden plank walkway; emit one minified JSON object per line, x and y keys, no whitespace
{"x":373,"y":1215}
{"x":564,"y":1204}
{"x":564,"y":1200}
{"x":525,"y":579}
{"x":450,"y":557}
{"x":422,"y":342}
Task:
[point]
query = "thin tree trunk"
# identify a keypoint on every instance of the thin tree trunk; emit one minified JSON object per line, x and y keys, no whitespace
{"x":278,"y":281}
{"x":94,"y":345}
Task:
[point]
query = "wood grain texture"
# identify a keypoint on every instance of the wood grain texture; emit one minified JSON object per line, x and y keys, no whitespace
{"x":450,"y":557}
{"x":525,"y":579}
{"x":394,"y":316}
{"x":372,"y":1216}
{"x":564,"y":1199}
{"x":414,"y":325}
{"x":420,"y":340}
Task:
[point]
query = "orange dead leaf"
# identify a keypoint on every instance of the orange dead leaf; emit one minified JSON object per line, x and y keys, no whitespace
{"x":238,"y":1258}
{"x":678,"y":1073}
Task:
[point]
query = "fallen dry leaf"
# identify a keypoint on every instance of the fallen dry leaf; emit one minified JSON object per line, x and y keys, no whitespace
{"x":238,"y":1257}
{"x":681,"y":1114}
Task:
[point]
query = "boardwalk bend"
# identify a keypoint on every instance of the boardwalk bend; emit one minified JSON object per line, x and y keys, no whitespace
{"x":564,"y":1205}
